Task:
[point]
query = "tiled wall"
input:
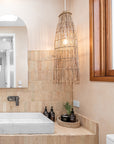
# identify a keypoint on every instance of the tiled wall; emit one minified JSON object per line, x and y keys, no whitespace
{"x":41,"y":91}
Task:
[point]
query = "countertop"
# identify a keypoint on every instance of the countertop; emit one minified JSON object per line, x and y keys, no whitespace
{"x":60,"y":131}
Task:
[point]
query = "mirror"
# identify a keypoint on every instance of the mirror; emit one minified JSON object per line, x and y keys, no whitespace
{"x":13,"y":52}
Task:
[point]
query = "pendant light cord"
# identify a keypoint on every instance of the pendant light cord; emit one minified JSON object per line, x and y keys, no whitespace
{"x":65,"y":5}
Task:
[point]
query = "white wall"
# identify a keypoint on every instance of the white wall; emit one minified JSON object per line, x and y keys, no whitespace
{"x":40,"y":16}
{"x":96,"y":98}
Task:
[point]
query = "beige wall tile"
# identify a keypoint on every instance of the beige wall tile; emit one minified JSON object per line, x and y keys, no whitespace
{"x":41,"y":90}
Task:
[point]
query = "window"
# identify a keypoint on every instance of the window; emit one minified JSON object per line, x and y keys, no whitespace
{"x":102,"y":40}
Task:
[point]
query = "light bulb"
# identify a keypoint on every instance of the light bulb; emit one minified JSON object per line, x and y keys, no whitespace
{"x":65,"y":42}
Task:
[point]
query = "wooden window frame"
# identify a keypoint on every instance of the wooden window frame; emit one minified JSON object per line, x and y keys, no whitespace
{"x":102,"y":43}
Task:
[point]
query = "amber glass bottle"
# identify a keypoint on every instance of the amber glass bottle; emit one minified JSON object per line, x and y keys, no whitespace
{"x":46,"y":112}
{"x":52,"y":114}
{"x":72,"y":116}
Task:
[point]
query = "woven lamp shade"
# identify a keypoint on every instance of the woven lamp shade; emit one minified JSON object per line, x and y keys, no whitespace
{"x":66,"y":67}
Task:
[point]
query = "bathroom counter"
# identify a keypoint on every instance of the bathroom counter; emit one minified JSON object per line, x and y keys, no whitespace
{"x":86,"y":134}
{"x":59,"y":130}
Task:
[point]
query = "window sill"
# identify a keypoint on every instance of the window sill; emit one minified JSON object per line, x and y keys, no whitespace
{"x":105,"y":79}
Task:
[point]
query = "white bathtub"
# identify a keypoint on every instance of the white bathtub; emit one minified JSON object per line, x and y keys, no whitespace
{"x":25,"y":123}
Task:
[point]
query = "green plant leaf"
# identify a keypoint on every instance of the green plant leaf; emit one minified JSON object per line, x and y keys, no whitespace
{"x":68,"y":108}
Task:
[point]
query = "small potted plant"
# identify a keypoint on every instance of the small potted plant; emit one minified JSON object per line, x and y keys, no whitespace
{"x":66,"y":117}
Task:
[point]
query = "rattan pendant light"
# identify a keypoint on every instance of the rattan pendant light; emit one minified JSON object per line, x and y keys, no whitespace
{"x":66,"y":67}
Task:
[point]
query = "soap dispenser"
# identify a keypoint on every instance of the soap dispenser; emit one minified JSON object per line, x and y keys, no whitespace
{"x":46,"y":112}
{"x":52,"y":114}
{"x":72,"y":116}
